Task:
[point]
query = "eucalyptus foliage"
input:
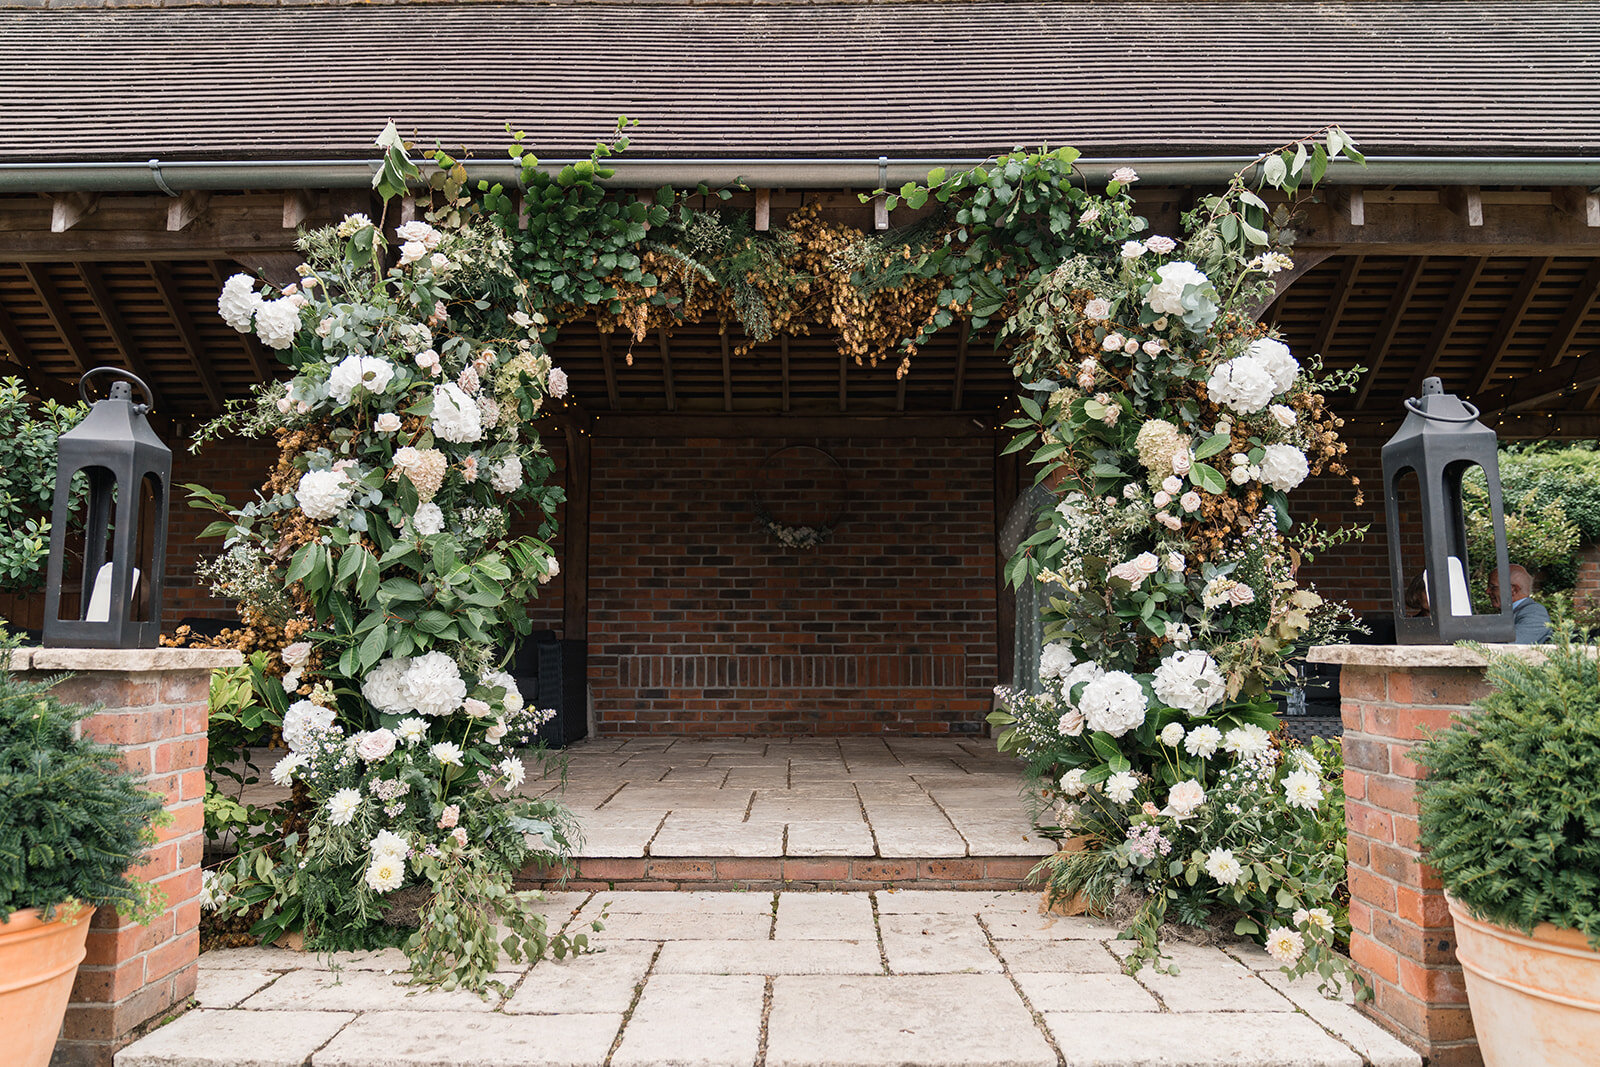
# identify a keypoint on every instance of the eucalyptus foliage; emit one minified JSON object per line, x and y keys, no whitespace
{"x":1510,"y":809}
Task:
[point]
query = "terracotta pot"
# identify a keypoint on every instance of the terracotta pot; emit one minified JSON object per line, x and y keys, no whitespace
{"x":38,"y":962}
{"x":1534,"y":999}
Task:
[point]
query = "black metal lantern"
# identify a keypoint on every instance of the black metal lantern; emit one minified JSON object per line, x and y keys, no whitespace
{"x":1439,"y":442}
{"x":128,"y":472}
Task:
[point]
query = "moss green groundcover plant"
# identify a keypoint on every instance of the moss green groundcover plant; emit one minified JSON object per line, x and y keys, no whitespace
{"x":72,"y":821}
{"x":1511,"y":805}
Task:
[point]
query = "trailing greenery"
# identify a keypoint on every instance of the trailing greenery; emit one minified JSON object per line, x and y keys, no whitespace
{"x":72,"y":821}
{"x":1511,"y":806}
{"x":27,"y":481}
{"x":246,"y":711}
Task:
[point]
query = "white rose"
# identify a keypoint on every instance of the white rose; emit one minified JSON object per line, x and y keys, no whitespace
{"x":388,"y":422}
{"x":475,"y":708}
{"x":1242,"y":384}
{"x":495,"y":732}
{"x":1274,"y":358}
{"x":1124,"y":175}
{"x":1184,"y":799}
{"x":375,"y":745}
{"x":1284,"y":467}
{"x":558,"y":382}
{"x":296,"y":654}
{"x":1097,"y":309}
{"x":1285,"y":945}
{"x":1172,"y":485}
{"x":1160,"y":245}
{"x":1071,"y":723}
{"x":1132,"y":249}
{"x":1113,"y":342}
{"x":411,"y":251}
{"x":1175,"y":562}
{"x":1161,"y":499}
{"x":1190,"y":501}
{"x":1284,"y":414}
{"x":1136,"y":570}
{"x":1182,"y":460}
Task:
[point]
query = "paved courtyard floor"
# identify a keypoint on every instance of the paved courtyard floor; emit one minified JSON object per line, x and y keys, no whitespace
{"x":811,"y":796}
{"x":786,"y":979}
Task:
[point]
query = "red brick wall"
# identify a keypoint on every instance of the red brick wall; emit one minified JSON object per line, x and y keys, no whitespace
{"x":1357,"y":573}
{"x":701,"y":623}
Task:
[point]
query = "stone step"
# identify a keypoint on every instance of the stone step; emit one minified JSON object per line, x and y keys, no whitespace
{"x":790,"y":872}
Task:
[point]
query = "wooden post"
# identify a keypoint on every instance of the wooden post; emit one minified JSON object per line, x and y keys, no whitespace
{"x":1005,"y":606}
{"x":575,"y":565}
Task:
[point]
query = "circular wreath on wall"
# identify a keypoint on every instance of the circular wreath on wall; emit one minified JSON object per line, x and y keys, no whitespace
{"x":800,"y":496}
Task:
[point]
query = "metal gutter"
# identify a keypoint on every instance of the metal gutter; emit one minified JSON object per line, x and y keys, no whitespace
{"x":174,"y":176}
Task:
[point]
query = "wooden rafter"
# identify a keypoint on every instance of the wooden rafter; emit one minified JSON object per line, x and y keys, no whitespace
{"x":610,"y":368}
{"x":959,"y":389}
{"x":1515,"y":312}
{"x":1577,"y":310}
{"x":1384,"y":339}
{"x":59,"y":315}
{"x":666,"y":370}
{"x":297,"y":207}
{"x":167,"y":286}
{"x":1539,"y":389}
{"x":17,"y":346}
{"x":186,"y":208}
{"x":69,"y":209}
{"x":719,"y":424}
{"x":1341,"y":298}
{"x":106,"y":307}
{"x":727,"y":372}
{"x":1578,"y":202}
{"x":1460,"y":292}
{"x":783,"y":352}
{"x":1466,"y":201}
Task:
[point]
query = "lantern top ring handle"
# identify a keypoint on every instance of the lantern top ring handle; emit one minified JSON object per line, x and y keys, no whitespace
{"x":1415,"y":406}
{"x":83,"y":383}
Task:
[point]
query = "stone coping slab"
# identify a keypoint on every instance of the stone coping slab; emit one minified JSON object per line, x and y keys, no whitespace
{"x":129,"y":660}
{"x":1414,"y":656}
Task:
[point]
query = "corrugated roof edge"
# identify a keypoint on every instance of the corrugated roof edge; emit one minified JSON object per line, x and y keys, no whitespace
{"x":172,"y":177}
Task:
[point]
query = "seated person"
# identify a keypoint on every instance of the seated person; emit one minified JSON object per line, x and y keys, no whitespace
{"x":1417,"y":597}
{"x":1531,"y":619}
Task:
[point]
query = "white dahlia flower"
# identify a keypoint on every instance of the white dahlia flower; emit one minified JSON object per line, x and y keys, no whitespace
{"x":1247,"y":741}
{"x":389,"y":843}
{"x":1203,"y":741}
{"x":283,"y":770}
{"x":1302,"y":789}
{"x":1120,"y":787}
{"x":513,"y":770}
{"x":447,"y":752}
{"x":1221,"y":865}
{"x":1285,"y":945}
{"x":386,"y":873}
{"x":411,"y":731}
{"x":1072,"y":783}
{"x":342,"y":806}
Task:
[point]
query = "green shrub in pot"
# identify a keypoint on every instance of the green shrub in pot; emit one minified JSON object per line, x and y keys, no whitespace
{"x":1510,"y":810}
{"x":72,"y":821}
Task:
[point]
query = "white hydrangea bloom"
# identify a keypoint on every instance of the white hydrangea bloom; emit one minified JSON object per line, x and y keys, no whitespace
{"x":1120,"y":787}
{"x":300,"y":720}
{"x":1284,"y":467}
{"x":277,"y":321}
{"x":1083,"y":672}
{"x":239,"y":302}
{"x":381,"y":686}
{"x":432,"y":684}
{"x":367,"y":371}
{"x":455,"y":415}
{"x":1055,"y":660}
{"x":1189,"y":681}
{"x":1186,"y":292}
{"x":323,"y":494}
{"x":1274,"y":358}
{"x":513,"y":699}
{"x":342,"y":806}
{"x":1113,"y":703}
{"x":428,"y":520}
{"x":1242,"y":384}
{"x":506,"y":476}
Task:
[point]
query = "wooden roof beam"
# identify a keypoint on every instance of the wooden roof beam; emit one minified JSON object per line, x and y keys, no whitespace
{"x":959,"y":389}
{"x":1434,"y":229}
{"x":185,"y":208}
{"x":1383,"y":340}
{"x":610,"y":367}
{"x":69,"y":209}
{"x":1578,"y":202}
{"x":1341,"y":299}
{"x":1515,"y":311}
{"x":167,"y":286}
{"x":59,"y":315}
{"x":1455,"y":303}
{"x":106,"y":307}
{"x":1572,"y":319}
{"x":1466,"y":201}
{"x":1539,"y":389}
{"x":666,"y":370}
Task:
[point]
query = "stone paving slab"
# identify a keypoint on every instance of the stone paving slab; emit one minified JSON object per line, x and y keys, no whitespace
{"x":1236,"y":1039}
{"x":235,"y":1039}
{"x":468,"y":1039}
{"x":922,"y":978}
{"x":697,"y":1020}
{"x":971,"y":1019}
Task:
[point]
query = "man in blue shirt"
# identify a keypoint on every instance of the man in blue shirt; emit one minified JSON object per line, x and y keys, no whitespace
{"x":1531,"y":619}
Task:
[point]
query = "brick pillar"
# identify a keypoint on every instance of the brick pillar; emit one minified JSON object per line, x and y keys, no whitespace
{"x":154,"y":711}
{"x":1402,"y":939}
